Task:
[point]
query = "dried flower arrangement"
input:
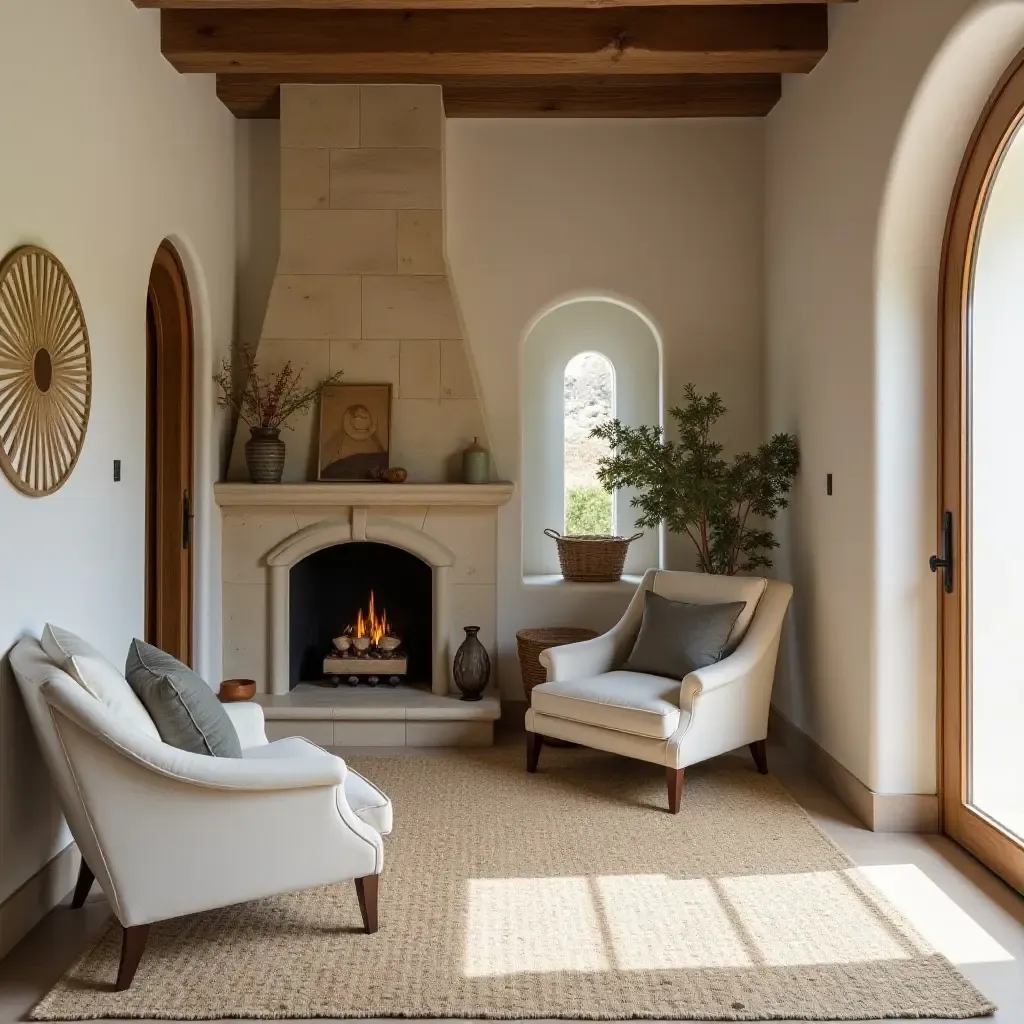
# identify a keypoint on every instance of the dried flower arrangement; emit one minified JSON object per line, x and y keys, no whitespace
{"x":266,"y":401}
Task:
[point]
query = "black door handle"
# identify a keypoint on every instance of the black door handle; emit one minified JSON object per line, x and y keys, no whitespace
{"x":945,"y":561}
{"x":186,"y":520}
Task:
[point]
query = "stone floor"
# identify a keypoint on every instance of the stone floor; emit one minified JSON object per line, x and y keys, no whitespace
{"x":964,"y":910}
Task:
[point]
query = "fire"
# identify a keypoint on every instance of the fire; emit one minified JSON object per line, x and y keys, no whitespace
{"x":371,"y":624}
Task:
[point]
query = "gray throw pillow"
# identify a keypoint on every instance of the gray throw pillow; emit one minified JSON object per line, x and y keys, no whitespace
{"x":677,"y":638}
{"x":184,"y":709}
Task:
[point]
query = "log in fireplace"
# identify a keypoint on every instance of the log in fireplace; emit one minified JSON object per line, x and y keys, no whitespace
{"x":349,"y":604}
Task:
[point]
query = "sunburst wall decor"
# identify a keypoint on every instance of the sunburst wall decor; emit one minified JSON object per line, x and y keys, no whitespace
{"x":45,"y":372}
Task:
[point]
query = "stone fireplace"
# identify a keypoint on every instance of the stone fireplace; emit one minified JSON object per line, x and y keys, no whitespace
{"x":362,"y":287}
{"x":282,"y":547}
{"x":369,"y":547}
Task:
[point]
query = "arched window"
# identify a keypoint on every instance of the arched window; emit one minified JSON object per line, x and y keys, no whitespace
{"x":589,"y":402}
{"x":585,"y":361}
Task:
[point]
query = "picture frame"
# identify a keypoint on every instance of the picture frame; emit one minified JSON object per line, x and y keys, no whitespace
{"x":355,"y":432}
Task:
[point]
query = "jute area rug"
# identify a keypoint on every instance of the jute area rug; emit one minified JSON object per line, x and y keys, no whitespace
{"x":571,"y":893}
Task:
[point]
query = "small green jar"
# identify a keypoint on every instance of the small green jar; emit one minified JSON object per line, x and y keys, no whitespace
{"x":476,"y":464}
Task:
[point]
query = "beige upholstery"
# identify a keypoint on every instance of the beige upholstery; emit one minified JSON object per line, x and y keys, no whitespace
{"x":167,"y":832}
{"x":589,"y":700}
{"x":366,"y":800}
{"x":626,"y":701}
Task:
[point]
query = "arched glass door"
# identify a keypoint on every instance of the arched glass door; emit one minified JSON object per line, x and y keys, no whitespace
{"x":982,"y":559}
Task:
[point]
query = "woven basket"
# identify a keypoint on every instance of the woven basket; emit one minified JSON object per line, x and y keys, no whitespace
{"x":532,"y":641}
{"x":592,"y":559}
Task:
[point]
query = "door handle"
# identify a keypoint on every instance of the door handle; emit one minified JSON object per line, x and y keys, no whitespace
{"x":186,"y":520}
{"x":945,"y":560}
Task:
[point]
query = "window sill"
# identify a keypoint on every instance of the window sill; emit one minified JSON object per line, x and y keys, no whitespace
{"x":626,"y":585}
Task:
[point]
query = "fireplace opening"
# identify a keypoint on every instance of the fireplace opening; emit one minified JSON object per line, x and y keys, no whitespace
{"x":361,"y":613}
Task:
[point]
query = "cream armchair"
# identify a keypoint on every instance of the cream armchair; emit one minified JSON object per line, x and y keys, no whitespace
{"x":166,"y":832}
{"x":589,"y":700}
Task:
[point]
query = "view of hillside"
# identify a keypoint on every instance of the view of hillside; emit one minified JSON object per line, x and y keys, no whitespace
{"x":589,"y":401}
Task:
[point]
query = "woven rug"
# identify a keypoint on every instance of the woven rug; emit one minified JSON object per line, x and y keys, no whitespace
{"x":571,"y":893}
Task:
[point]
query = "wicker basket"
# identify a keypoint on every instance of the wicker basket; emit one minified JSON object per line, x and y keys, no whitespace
{"x":532,"y":641}
{"x":592,"y":559}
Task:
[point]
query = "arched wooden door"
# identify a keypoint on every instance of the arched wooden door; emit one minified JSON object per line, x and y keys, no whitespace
{"x":169,"y":437}
{"x":981,"y":559}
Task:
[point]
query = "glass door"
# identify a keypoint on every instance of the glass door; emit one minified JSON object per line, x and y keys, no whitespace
{"x":981,"y":557}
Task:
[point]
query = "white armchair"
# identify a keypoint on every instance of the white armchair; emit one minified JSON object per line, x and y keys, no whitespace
{"x":166,"y":832}
{"x":589,"y":700}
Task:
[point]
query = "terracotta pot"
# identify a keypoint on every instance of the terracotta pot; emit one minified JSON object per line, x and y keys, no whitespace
{"x":232,"y":690}
{"x":264,"y":455}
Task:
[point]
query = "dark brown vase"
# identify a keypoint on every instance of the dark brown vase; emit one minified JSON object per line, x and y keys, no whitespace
{"x":472,"y":668}
{"x":264,"y":455}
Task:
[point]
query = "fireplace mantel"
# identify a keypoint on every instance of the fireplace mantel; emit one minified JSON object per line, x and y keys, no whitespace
{"x":360,"y":495}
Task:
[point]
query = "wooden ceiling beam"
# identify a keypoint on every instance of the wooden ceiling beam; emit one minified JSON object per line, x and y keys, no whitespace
{"x":750,"y":39}
{"x":436,"y":5}
{"x":258,"y":96}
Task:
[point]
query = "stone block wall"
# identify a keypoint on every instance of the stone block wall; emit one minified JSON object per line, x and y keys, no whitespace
{"x":361,"y":281}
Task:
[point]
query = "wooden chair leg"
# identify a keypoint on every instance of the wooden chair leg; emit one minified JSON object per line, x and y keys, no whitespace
{"x":83,"y":885}
{"x":133,"y":944}
{"x":366,"y":890}
{"x":674,"y":778}
{"x":534,"y":741}
{"x":759,"y":751}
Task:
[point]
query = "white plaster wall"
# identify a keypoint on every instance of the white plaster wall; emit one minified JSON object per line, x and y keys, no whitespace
{"x":667,"y":216}
{"x":106,"y":151}
{"x":862,"y":157}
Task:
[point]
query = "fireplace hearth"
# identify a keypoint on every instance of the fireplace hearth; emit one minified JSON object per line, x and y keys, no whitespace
{"x":360,"y":613}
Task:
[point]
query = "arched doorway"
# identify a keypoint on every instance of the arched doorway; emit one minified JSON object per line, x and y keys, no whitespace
{"x":982,"y":491}
{"x":169,"y":453}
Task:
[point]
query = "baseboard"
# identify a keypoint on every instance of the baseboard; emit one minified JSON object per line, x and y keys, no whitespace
{"x":880,"y":812}
{"x":28,"y":905}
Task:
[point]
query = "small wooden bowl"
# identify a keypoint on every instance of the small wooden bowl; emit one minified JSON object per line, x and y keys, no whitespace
{"x":232,"y":690}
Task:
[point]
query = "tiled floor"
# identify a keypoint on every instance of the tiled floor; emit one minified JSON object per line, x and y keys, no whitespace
{"x":962,"y":908}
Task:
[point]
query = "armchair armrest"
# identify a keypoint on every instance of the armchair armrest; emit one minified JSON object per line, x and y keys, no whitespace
{"x":228,"y":773}
{"x":247,"y":718}
{"x":579,"y":660}
{"x":604,"y":653}
{"x":756,"y":656}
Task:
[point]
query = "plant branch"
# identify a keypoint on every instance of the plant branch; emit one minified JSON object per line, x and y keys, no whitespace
{"x":687,"y":484}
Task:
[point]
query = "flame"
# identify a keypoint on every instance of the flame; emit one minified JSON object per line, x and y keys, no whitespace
{"x":371,"y":624}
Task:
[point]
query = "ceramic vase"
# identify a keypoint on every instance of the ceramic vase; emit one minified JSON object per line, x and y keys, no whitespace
{"x":476,"y":464}
{"x":472,"y":668}
{"x":264,"y":455}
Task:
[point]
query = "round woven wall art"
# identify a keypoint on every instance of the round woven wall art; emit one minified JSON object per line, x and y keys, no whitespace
{"x":45,"y":372}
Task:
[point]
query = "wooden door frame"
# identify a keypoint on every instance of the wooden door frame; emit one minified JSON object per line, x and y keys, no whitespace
{"x":175,"y":315}
{"x":999,"y":123}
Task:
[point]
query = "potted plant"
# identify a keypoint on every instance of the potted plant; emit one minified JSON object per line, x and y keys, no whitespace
{"x":688,"y":486}
{"x":265,"y":404}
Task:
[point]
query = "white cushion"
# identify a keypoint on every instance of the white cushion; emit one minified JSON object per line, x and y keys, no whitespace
{"x":702,"y":588}
{"x":365,"y":799}
{"x":97,"y":677}
{"x":641,"y":705}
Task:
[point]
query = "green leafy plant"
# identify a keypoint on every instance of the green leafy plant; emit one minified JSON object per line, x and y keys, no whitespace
{"x":688,"y":486}
{"x":588,"y":510}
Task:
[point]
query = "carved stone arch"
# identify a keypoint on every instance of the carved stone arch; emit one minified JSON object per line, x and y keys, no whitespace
{"x":361,"y":527}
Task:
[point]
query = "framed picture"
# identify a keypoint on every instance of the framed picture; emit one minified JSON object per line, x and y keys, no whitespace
{"x":355,"y":431}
